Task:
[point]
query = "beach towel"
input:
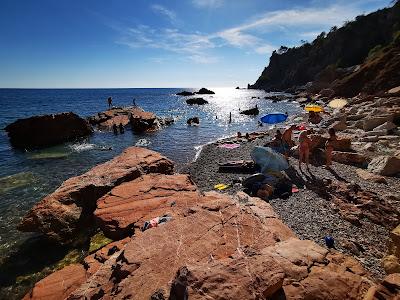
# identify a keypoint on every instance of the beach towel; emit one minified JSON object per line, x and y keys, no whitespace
{"x":155,"y":221}
{"x":221,"y":186}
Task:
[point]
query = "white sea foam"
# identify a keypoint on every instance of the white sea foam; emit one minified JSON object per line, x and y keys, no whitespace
{"x":82,"y":147}
{"x":142,"y":143}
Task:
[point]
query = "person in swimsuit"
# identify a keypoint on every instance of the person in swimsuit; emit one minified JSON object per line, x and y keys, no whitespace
{"x":329,"y":146}
{"x":304,"y":148}
{"x":287,"y":141}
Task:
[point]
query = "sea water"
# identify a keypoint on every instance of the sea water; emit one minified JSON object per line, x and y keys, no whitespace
{"x":26,"y":177}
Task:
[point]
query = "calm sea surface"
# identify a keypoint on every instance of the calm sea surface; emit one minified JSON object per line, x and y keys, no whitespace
{"x":26,"y":177}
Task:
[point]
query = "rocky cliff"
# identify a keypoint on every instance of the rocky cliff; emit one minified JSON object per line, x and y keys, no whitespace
{"x":340,"y":49}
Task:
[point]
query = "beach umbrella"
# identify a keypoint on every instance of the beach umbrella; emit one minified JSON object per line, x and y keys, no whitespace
{"x":338,"y":103}
{"x":314,"y":108}
{"x":274,"y":118}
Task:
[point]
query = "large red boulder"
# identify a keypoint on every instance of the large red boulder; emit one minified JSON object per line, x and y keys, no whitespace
{"x":129,"y":205}
{"x":224,"y":248}
{"x":58,"y":285}
{"x":47,"y":130}
{"x":139,"y":119}
{"x":67,"y":211}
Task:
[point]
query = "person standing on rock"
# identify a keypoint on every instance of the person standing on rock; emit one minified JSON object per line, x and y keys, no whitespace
{"x":329,"y":146}
{"x":134,"y":102}
{"x":109,"y":100}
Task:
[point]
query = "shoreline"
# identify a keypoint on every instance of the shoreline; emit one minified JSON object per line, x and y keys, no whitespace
{"x":307,"y":214}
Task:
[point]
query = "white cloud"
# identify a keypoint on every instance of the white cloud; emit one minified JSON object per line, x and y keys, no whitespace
{"x":171,"y":15}
{"x":237,"y":38}
{"x":192,"y":45}
{"x":265,"y":49}
{"x":208,"y":3}
{"x":250,"y":35}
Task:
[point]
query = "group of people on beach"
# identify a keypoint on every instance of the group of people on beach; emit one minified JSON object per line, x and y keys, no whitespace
{"x":283,"y":143}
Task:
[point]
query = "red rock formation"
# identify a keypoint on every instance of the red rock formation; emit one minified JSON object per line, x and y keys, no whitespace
{"x":47,"y":130}
{"x":134,"y":115}
{"x":59,"y":285}
{"x":130,"y":204}
{"x":62,"y":214}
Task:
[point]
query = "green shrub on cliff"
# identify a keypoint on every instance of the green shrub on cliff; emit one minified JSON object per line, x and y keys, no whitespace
{"x":344,"y":47}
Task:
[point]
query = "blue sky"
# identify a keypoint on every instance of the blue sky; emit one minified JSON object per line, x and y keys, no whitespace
{"x":146,"y":43}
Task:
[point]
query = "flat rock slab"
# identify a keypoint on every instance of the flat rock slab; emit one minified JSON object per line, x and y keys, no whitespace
{"x":122,"y":115}
{"x":59,"y":285}
{"x":47,"y":130}
{"x":62,"y":214}
{"x":214,"y":228}
{"x":221,"y":247}
{"x":129,"y":205}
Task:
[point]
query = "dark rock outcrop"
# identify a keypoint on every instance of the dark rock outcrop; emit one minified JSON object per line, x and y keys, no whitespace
{"x":250,"y":112}
{"x":194,"y":120}
{"x":204,"y":91}
{"x":68,"y":211}
{"x":198,"y":101}
{"x":185,"y":93}
{"x":47,"y":130}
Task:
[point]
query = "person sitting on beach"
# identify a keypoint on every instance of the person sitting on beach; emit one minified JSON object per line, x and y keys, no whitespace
{"x":314,"y":117}
{"x":287,"y":140}
{"x":121,"y":128}
{"x":109,"y":100}
{"x":304,"y":148}
{"x":329,"y":146}
{"x":276,"y":143}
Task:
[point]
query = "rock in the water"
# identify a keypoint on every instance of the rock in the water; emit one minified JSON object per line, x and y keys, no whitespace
{"x":185,"y":93}
{"x":139,"y":119}
{"x":47,"y":130}
{"x":130,"y":204}
{"x":385,"y":165}
{"x":251,"y":112}
{"x":198,"y":101}
{"x":66,"y":212}
{"x":205,"y":91}
{"x":60,"y":284}
{"x":194,"y":120}
{"x":367,"y":176}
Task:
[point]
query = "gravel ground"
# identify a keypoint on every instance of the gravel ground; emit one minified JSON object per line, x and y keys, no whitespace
{"x":306,"y":213}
